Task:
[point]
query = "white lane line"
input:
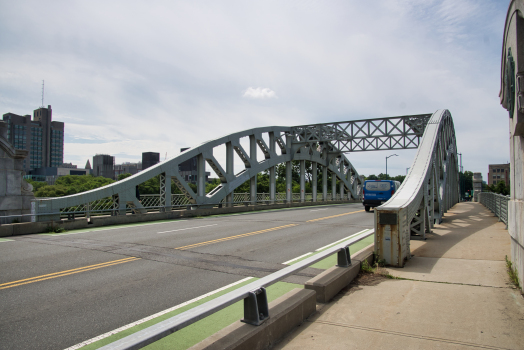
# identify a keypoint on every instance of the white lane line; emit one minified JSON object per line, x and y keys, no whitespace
{"x":123,"y":328}
{"x":340,"y":240}
{"x":107,"y":229}
{"x":318,"y":209}
{"x":297,"y":258}
{"x":189,"y":228}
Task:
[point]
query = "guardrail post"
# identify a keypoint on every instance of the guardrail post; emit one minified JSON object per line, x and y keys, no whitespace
{"x":256,"y":309}
{"x":343,"y":257}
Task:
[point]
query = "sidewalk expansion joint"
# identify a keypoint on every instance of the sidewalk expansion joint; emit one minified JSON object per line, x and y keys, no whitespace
{"x":410,"y":335}
{"x":454,"y":283}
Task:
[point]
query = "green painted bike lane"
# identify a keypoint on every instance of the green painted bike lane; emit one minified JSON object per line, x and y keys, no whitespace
{"x":200,"y":330}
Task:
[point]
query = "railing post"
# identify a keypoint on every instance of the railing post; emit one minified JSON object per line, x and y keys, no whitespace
{"x":256,"y":309}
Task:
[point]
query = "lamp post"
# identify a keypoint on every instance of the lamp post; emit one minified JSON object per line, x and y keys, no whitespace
{"x":393,"y":155}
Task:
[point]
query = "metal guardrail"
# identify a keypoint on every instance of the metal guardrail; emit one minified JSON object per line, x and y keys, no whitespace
{"x":497,"y":203}
{"x":256,"y":309}
{"x":152,"y":203}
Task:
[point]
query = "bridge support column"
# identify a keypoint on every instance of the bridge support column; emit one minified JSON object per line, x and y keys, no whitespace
{"x":341,"y":168}
{"x":333,"y":187}
{"x":289,"y":183}
{"x":324,"y":182}
{"x":229,"y":170}
{"x":314,"y":180}
{"x":302,"y":181}
{"x":253,"y":181}
{"x":201,"y":176}
{"x":165,"y":192}
{"x":272,"y":171}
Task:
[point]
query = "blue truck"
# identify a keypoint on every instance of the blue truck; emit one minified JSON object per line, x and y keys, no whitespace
{"x":377,"y":192}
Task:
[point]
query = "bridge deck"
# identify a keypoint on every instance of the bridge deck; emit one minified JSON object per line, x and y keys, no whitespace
{"x":455,"y":295}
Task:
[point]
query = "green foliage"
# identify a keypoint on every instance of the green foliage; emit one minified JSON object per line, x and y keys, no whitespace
{"x":499,"y":188}
{"x":366,"y":268}
{"x":69,"y":184}
{"x":123,"y":176}
{"x":55,"y":229}
{"x":512,"y":272}
{"x":212,"y":185}
{"x":37,"y":184}
{"x":381,"y":176}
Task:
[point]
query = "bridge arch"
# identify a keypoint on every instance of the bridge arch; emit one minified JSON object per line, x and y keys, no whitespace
{"x":429,"y":190}
{"x":123,"y":192}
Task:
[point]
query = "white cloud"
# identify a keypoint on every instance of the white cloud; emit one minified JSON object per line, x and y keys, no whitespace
{"x":260,"y":93}
{"x":166,"y":75}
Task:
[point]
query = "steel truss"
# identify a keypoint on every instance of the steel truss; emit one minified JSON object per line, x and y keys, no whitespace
{"x":402,"y":132}
{"x":122,"y":194}
{"x":322,"y":144}
{"x":429,"y":190}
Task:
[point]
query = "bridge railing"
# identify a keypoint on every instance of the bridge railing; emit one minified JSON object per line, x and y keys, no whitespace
{"x":428,"y":191}
{"x":256,"y":309}
{"x":497,"y":203}
{"x":152,"y":203}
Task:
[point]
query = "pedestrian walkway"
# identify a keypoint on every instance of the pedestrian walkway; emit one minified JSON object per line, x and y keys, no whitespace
{"x":453,"y":294}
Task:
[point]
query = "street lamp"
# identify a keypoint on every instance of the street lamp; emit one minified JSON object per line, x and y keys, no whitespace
{"x":393,"y":155}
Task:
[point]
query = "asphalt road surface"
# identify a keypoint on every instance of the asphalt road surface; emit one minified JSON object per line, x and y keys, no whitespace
{"x":59,"y":290}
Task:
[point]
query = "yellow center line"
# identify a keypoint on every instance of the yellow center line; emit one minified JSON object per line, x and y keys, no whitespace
{"x":234,"y":237}
{"x":335,"y":216}
{"x":65,"y":273}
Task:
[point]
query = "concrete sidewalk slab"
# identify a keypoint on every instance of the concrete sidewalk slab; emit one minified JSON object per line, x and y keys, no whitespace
{"x":473,"y":272}
{"x":401,"y":314}
{"x":468,"y":231}
{"x":456,"y":295}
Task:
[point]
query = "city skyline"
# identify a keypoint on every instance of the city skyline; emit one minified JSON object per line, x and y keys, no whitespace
{"x":193,"y":72}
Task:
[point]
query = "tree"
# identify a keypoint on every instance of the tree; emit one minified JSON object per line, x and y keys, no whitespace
{"x":499,"y":188}
{"x":68,"y":185}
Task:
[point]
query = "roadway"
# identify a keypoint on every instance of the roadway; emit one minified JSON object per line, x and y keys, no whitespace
{"x":57,"y":290}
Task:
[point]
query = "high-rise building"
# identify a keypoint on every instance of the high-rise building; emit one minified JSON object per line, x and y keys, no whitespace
{"x":42,"y":137}
{"x":498,"y":172}
{"x":189,"y":169}
{"x":149,"y":159}
{"x":127,"y":168}
{"x":103,"y":165}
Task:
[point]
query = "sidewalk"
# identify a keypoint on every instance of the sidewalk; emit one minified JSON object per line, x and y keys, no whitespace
{"x":455,"y":294}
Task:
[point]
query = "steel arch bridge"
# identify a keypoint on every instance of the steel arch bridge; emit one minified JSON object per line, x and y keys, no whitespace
{"x":430,"y":188}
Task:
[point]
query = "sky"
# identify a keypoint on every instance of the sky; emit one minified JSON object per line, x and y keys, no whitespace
{"x":128,"y":77}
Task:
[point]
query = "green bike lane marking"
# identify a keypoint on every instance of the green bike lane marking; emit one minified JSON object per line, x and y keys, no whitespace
{"x":200,"y":330}
{"x":5,"y":240}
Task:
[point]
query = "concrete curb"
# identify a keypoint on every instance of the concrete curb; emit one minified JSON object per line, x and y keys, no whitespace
{"x":285,"y":313}
{"x":330,"y":282}
{"x":288,"y":311}
{"x":26,"y":228}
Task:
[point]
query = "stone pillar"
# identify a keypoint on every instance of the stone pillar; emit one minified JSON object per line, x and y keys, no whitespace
{"x":477,"y":186}
{"x":15,"y":193}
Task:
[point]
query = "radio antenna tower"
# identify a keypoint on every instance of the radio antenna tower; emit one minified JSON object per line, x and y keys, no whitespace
{"x":42,"y":94}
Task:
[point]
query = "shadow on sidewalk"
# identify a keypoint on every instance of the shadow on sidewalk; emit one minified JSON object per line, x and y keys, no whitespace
{"x":468,"y":231}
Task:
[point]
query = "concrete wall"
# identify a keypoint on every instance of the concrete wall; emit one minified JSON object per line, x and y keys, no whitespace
{"x":98,"y":221}
{"x":514,"y":42}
